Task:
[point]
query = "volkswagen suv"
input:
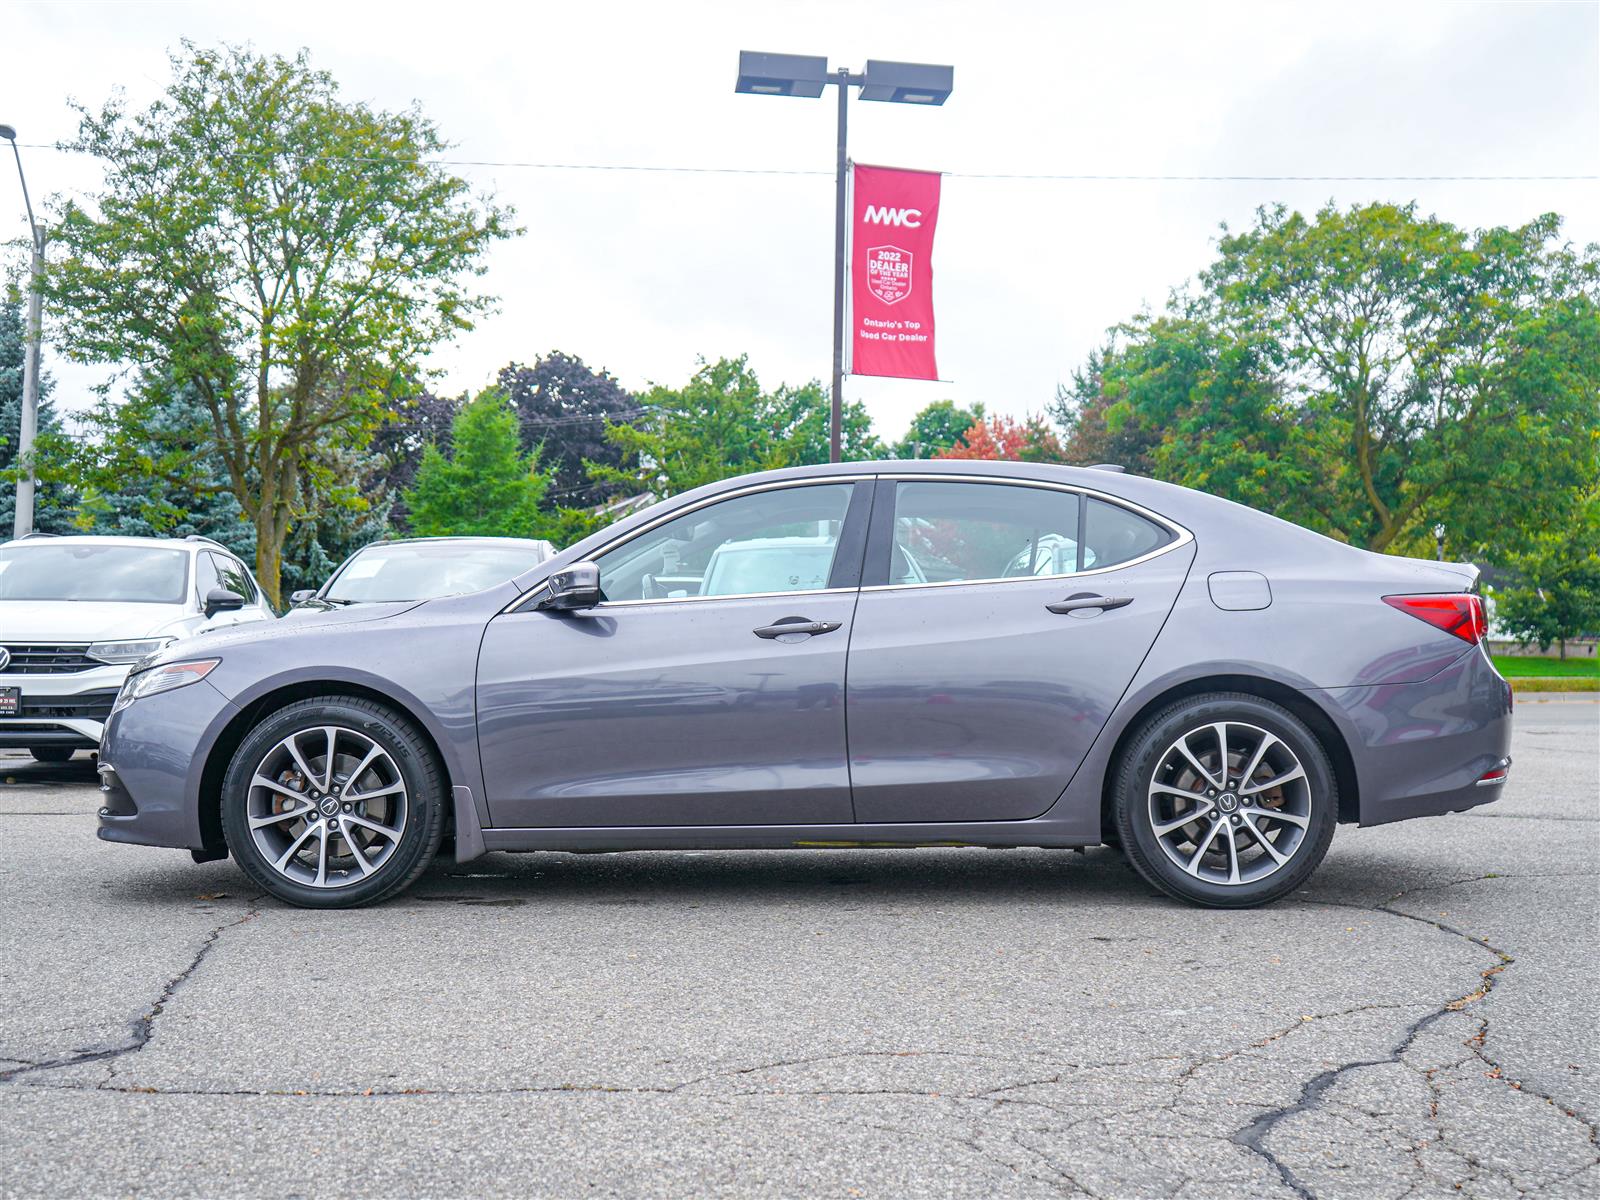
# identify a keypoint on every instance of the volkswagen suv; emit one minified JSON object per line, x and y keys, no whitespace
{"x":77,"y":612}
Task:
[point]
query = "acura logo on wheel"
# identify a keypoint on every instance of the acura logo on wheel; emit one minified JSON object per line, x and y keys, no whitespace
{"x":5,"y":658}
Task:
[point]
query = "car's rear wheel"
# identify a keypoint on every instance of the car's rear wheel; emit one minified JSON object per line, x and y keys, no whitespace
{"x":1225,"y":800}
{"x":333,"y":802}
{"x":51,"y":754}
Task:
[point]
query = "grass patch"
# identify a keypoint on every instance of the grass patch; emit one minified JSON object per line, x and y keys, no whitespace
{"x":1555,"y":683}
{"x":1517,"y":666}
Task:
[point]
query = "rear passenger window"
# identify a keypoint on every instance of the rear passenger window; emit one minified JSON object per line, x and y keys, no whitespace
{"x":953,"y":532}
{"x":1114,"y":535}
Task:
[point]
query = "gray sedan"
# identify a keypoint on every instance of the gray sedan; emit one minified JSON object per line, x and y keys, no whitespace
{"x":990,"y":654}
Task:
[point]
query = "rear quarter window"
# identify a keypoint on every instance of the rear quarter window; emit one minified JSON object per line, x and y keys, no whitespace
{"x":1113,"y":534}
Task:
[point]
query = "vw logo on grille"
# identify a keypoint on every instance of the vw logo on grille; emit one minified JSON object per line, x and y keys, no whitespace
{"x":5,"y":658}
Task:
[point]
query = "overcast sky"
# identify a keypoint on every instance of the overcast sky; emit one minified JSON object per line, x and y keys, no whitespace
{"x":643,"y":272}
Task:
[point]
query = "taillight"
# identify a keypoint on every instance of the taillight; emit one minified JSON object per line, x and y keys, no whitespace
{"x":1459,"y":615}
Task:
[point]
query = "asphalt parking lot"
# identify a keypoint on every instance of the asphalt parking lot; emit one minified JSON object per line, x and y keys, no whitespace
{"x":1420,"y":1021}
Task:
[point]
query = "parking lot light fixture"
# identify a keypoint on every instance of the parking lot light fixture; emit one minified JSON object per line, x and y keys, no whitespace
{"x":805,"y":75}
{"x":907,"y":83}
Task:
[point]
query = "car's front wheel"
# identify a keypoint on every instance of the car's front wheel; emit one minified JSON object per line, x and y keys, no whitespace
{"x":1225,"y":800}
{"x":333,"y":802}
{"x":51,"y":754}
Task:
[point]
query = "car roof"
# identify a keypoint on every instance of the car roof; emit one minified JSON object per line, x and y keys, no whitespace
{"x":99,"y":539}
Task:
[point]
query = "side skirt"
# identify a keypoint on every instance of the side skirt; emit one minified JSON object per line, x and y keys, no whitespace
{"x":779,"y":837}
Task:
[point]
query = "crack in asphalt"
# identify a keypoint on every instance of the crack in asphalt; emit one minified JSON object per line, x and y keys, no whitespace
{"x":1254,"y":1135}
{"x":143,"y":1027}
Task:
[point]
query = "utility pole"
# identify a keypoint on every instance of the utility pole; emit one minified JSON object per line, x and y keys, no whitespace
{"x":807,"y":75}
{"x":30,"y":363}
{"x":840,"y":215}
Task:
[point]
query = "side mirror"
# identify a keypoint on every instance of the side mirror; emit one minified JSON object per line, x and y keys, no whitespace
{"x":222,"y":600}
{"x":577,"y":586}
{"x":302,"y":595}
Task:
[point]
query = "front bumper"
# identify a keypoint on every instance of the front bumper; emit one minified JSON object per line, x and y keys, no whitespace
{"x":1422,"y":749}
{"x":151,"y":757}
{"x":68,"y":709}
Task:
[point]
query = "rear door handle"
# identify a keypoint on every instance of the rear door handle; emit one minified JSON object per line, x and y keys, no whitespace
{"x":1087,"y":600}
{"x":790,"y":625}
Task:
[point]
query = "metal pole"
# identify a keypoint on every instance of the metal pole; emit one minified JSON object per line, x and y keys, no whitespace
{"x":30,"y":392}
{"x":836,"y":426}
{"x":29,"y":423}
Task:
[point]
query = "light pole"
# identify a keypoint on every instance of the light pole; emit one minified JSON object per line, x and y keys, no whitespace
{"x":806,"y":75}
{"x":30,"y":361}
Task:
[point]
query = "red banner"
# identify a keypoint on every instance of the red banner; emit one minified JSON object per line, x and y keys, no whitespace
{"x":891,"y":266}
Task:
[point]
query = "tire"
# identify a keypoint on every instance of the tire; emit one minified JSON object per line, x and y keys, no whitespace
{"x":1220,"y":857}
{"x":342,"y":838}
{"x":51,"y":754}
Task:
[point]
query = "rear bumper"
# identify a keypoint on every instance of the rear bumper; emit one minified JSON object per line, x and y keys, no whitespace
{"x":1421,"y":749}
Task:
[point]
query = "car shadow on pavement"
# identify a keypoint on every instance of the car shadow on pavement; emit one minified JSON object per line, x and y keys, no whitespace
{"x":76,"y":772}
{"x":944,"y":875}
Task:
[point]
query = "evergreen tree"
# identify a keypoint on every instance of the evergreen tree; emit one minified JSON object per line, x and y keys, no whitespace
{"x":486,"y":486}
{"x":169,"y":482}
{"x":52,"y":499}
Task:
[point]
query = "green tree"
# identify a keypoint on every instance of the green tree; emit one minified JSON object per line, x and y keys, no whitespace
{"x":1553,"y":592}
{"x":938,"y":427}
{"x":721,"y":423}
{"x":164,"y":480}
{"x":286,"y":253}
{"x":1371,"y":372}
{"x":807,"y":412}
{"x":486,"y":486}
{"x":1095,"y":425}
{"x":53,"y":497}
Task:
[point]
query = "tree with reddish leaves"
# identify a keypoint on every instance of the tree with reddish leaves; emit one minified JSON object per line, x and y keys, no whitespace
{"x":1029,"y":440}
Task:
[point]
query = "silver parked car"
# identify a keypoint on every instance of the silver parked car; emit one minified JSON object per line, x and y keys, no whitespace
{"x":991,"y":654}
{"x":422,"y":569}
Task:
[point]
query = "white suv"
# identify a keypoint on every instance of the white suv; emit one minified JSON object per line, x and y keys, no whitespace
{"x":77,"y":612}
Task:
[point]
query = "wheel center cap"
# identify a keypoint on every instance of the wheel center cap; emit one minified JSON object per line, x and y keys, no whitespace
{"x":329,"y":806}
{"x":1227,"y":802}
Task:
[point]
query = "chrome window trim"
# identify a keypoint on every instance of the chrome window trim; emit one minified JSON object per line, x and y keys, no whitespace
{"x":1181,"y":536}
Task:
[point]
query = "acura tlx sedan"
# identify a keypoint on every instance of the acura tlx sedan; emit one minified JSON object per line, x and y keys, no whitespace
{"x":983,"y":654}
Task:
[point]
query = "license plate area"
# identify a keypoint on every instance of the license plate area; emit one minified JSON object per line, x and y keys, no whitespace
{"x":10,"y":701}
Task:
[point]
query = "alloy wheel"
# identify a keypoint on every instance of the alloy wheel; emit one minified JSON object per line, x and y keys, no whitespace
{"x":327,"y":806}
{"x":1230,"y":803}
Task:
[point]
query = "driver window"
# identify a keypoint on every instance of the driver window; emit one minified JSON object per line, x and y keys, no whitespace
{"x":958,"y":532}
{"x":781,"y":540}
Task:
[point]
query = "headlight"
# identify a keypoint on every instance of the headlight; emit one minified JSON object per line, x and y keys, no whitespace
{"x":128,"y":652}
{"x":162,"y":679}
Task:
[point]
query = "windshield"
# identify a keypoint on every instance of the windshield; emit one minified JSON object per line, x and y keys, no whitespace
{"x":75,"y":571}
{"x":422,"y":571}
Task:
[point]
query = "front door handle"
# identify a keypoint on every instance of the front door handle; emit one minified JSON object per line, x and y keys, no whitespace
{"x":791,"y":625}
{"x":1086,"y":600}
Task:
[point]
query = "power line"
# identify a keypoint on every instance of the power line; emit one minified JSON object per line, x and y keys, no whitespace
{"x":1072,"y":177}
